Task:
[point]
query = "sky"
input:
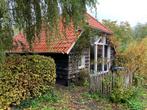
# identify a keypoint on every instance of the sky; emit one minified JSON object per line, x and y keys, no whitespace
{"x":133,"y":11}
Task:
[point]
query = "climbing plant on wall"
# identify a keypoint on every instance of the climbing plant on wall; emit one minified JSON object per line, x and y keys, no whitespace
{"x":85,"y":38}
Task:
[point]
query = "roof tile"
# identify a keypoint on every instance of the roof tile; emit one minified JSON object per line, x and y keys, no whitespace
{"x":60,"y":44}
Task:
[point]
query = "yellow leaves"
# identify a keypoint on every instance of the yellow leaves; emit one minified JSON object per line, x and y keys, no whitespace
{"x":29,"y":77}
{"x":114,"y":41}
{"x":135,"y":57}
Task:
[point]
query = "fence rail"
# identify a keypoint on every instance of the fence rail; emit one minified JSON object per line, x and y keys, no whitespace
{"x":104,"y":83}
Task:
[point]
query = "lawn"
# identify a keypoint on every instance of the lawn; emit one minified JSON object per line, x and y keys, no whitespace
{"x":71,"y":98}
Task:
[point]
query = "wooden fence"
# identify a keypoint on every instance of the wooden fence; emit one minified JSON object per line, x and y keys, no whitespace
{"x":104,"y":83}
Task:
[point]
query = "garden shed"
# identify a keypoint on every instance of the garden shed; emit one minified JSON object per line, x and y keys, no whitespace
{"x":62,"y":50}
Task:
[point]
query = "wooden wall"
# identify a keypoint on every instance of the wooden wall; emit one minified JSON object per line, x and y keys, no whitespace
{"x":67,"y":65}
{"x":73,"y":63}
{"x":61,"y":61}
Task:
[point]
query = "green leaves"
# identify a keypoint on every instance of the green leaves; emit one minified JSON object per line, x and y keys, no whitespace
{"x":31,"y":16}
{"x":140,"y":31}
{"x":25,"y":77}
{"x":122,"y":33}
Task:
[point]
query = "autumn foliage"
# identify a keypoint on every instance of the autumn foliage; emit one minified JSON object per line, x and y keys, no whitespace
{"x":134,"y":58}
{"x":130,"y":46}
{"x":23,"y":77}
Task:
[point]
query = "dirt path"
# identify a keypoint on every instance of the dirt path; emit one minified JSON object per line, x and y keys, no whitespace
{"x":76,"y":101}
{"x":75,"y":98}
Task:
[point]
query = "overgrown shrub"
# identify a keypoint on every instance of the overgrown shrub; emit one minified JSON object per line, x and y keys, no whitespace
{"x":121,"y":94}
{"x":129,"y":96}
{"x":135,"y":58}
{"x":121,"y":91}
{"x":83,"y":78}
{"x":23,"y":77}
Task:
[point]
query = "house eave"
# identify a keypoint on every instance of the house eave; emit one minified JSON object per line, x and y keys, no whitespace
{"x":73,"y":44}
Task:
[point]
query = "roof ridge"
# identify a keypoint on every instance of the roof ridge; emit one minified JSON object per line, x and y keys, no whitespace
{"x":98,"y":22}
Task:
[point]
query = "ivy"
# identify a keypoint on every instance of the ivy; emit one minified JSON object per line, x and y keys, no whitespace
{"x":84,"y":40}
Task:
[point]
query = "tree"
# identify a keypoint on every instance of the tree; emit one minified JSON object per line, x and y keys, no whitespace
{"x":140,"y":31}
{"x":29,"y":16}
{"x":122,"y":32}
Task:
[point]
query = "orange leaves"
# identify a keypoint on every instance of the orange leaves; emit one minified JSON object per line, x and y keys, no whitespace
{"x":135,"y":57}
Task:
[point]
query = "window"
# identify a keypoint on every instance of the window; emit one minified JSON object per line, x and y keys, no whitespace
{"x":102,"y":54}
{"x":99,"y":57}
{"x":81,"y":63}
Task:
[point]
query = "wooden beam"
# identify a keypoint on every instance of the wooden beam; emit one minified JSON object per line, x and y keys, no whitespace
{"x":109,"y":56}
{"x":103,"y":54}
{"x":95,"y":58}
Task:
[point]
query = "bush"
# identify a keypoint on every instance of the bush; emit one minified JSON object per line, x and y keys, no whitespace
{"x":83,"y":78}
{"x":121,"y":92}
{"x":134,"y":58}
{"x":23,"y":77}
{"x":130,"y":96}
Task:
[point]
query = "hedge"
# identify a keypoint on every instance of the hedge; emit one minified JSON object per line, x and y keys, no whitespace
{"x":23,"y":77}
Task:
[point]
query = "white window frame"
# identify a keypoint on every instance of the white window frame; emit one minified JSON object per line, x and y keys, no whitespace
{"x":82,"y":60}
{"x":103,"y":43}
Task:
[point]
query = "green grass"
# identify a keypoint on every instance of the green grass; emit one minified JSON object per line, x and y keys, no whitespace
{"x":67,"y":98}
{"x":139,"y":100}
{"x":103,"y":102}
{"x":91,"y":96}
{"x":144,"y":96}
{"x":135,"y":104}
{"x":36,"y":103}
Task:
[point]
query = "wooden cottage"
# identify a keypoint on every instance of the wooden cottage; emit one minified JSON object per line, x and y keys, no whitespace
{"x":62,"y":50}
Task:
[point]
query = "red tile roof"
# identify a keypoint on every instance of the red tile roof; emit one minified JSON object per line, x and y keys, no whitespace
{"x":97,"y":25}
{"x":62,"y":44}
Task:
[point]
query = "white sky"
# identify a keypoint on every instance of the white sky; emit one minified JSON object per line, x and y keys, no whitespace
{"x":133,"y":11}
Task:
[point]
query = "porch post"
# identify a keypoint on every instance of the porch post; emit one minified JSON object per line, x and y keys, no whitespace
{"x":95,"y":58}
{"x":103,"y":55}
{"x":109,"y":57}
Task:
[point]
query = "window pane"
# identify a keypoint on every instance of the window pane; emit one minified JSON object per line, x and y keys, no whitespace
{"x":106,"y":51}
{"x":92,"y":58}
{"x":81,"y":62}
{"x":99,"y":65}
{"x":106,"y":58}
{"x":105,"y":67}
{"x":100,"y":47}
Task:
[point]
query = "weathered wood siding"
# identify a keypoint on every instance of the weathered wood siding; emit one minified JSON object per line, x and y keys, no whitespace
{"x":101,"y":83}
{"x":104,"y":83}
{"x":61,"y":61}
{"x":73,"y":63}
